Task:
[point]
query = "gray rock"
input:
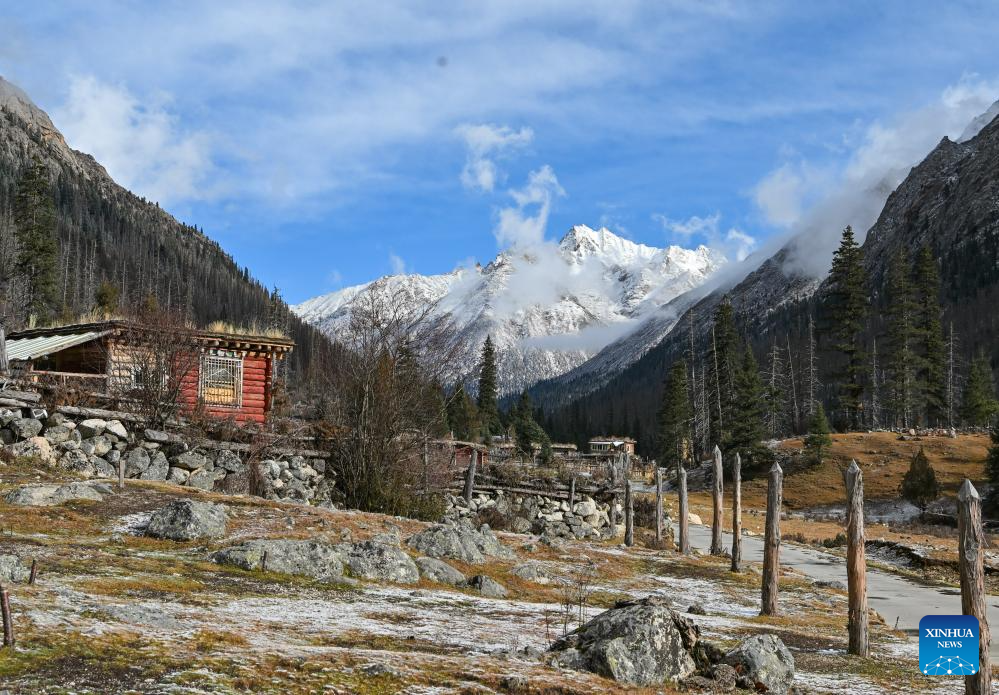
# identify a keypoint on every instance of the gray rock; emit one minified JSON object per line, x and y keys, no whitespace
{"x":102,"y":445}
{"x":184,"y":520}
{"x":831,"y":584}
{"x":636,"y":642}
{"x":136,"y":462}
{"x":230,"y":461}
{"x":157,"y":469}
{"x":766,"y":662}
{"x":379,"y":561}
{"x":487,"y":586}
{"x":697,"y":608}
{"x":178,"y":476}
{"x":78,"y":461}
{"x":189,"y":461}
{"x":203,"y":479}
{"x":103,"y":469}
{"x":13,"y":569}
{"x":314,"y":559}
{"x":58,"y":434}
{"x":8,"y":416}
{"x":6,"y":436}
{"x":53,"y":494}
{"x":158,"y":437}
{"x":520,"y":525}
{"x":532,"y":572}
{"x":116,"y":429}
{"x":25,"y":427}
{"x":35,"y":447}
{"x":439,"y":571}
{"x":92,"y":427}
{"x":459,"y":541}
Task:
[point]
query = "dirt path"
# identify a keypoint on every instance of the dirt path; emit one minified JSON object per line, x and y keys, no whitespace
{"x":895,"y":598}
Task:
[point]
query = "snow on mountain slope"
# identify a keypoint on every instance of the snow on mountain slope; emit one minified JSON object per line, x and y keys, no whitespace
{"x":549,"y":307}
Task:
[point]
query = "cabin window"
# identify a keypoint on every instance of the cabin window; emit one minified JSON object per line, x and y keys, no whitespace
{"x":221,"y":381}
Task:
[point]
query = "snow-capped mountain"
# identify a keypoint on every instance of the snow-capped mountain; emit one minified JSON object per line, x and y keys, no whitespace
{"x":549,"y":307}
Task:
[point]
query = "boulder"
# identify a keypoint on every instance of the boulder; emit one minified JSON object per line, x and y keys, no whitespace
{"x":158,"y":437}
{"x":136,"y":462}
{"x":439,"y":571}
{"x":58,"y":434}
{"x":230,"y":461}
{"x":13,"y":569}
{"x":102,"y":445}
{"x":76,"y":460}
{"x":53,"y":494}
{"x":486,"y":586}
{"x":184,"y":520}
{"x":178,"y":476}
{"x":103,"y":468}
{"x":532,"y":572}
{"x":766,"y":662}
{"x":25,"y":427}
{"x":640,"y":642}
{"x":460,"y":541}
{"x":190,"y":461}
{"x":202,"y":479}
{"x":92,"y":427}
{"x":694,"y":519}
{"x":116,"y":429}
{"x":587,"y":507}
{"x":520,"y":525}
{"x":315,"y":559}
{"x":158,"y":467}
{"x":35,"y":447}
{"x":379,"y":561}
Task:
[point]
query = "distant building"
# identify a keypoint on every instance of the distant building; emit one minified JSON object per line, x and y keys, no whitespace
{"x":612,"y":445}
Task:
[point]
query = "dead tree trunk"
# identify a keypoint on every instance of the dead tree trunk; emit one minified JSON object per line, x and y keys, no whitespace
{"x":629,"y":515}
{"x":771,"y":542}
{"x":716,"y":503}
{"x":473,"y":462}
{"x":737,"y":514}
{"x":970,"y":539}
{"x":856,"y":562}
{"x":572,"y":493}
{"x":8,"y":622}
{"x":683,"y":509}
{"x":659,"y":504}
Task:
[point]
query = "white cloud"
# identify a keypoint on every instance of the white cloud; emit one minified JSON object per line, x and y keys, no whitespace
{"x":706,"y":230}
{"x":485,"y":143}
{"x":397,"y":264}
{"x":692,"y":226}
{"x":141,"y":145}
{"x":740,"y":243}
{"x":524,"y":224}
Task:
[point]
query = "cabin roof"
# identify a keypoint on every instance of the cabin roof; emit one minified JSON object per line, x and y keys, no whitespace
{"x":32,"y":347}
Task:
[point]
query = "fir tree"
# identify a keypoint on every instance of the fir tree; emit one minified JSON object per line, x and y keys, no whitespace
{"x":900,"y":361}
{"x":919,"y":485}
{"x":979,"y":405}
{"x":35,"y":222}
{"x":930,"y":345}
{"x":462,"y":418}
{"x":848,"y":311}
{"x":527,"y":432}
{"x":106,"y":298}
{"x":489,"y":419}
{"x":818,"y":440}
{"x":747,"y":423}
{"x":675,"y":416}
{"x":724,"y":364}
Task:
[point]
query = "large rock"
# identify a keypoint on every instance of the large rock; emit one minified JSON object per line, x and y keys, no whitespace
{"x":58,"y":434}
{"x":36,"y":448}
{"x":439,"y":571}
{"x":766,"y":661}
{"x":13,"y":569}
{"x":25,"y":427}
{"x":184,"y":520}
{"x":53,"y":494}
{"x":380,"y":561}
{"x":532,"y":572}
{"x":136,"y":463}
{"x":586,"y":507}
{"x":157,"y":469}
{"x":116,"y":429}
{"x":204,"y":479}
{"x":190,"y":461}
{"x":92,"y":427}
{"x":487,"y":586}
{"x":76,"y":460}
{"x":460,"y":541}
{"x":230,"y":461}
{"x":636,"y":642}
{"x":314,"y":559}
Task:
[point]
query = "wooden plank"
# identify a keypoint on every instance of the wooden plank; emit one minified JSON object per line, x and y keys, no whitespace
{"x":971,"y":558}
{"x":27,"y":396}
{"x":856,"y":562}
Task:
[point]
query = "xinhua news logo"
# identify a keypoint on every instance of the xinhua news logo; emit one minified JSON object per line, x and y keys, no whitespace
{"x":948,"y":645}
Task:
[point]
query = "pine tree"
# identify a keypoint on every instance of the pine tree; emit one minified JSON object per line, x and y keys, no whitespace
{"x":900,"y":362}
{"x":106,"y":298}
{"x":818,"y":439}
{"x":930,"y":347}
{"x":848,"y":311}
{"x":675,"y":416}
{"x":489,"y":419}
{"x":979,"y":405}
{"x":724,"y":364}
{"x":528,"y":432}
{"x":35,"y":222}
{"x":462,"y":418}
{"x":747,"y":430}
{"x":776,"y":396}
{"x":919,"y":485}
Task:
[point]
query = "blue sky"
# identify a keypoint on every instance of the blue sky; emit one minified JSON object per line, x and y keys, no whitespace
{"x":325,"y":144}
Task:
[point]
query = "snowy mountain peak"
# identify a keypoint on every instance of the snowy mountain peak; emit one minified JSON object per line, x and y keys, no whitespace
{"x":549,"y":307}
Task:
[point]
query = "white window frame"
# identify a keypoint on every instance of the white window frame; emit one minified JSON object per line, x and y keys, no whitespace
{"x":210,"y":367}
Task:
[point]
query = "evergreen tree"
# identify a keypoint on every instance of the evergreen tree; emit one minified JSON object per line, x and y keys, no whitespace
{"x":818,"y":440}
{"x":106,"y":298}
{"x":848,"y":311}
{"x":979,"y":405}
{"x":675,"y":417}
{"x":724,"y":365}
{"x":462,"y":418}
{"x":930,"y":345}
{"x":35,"y":222}
{"x":528,"y":432}
{"x":900,"y":362}
{"x":747,"y":430}
{"x":992,"y":469}
{"x":489,"y":418}
{"x":919,"y":485}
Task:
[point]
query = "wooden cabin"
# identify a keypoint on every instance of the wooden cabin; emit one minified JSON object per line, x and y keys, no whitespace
{"x":612,"y":445}
{"x":229,"y":375}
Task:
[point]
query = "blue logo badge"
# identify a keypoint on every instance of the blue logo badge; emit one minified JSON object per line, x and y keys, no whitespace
{"x":948,"y":645}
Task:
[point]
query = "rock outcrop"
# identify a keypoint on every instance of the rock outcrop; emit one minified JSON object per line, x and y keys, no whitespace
{"x":320,"y":561}
{"x":766,"y":662}
{"x":49,"y":495}
{"x":185,"y":520}
{"x":460,"y":541}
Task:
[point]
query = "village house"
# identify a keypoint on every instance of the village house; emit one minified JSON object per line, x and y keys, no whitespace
{"x":228,"y":375}
{"x":612,"y":445}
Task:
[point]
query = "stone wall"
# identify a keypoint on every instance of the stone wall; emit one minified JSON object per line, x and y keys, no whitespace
{"x":94,"y":448}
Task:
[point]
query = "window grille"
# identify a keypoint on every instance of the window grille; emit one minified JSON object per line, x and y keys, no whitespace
{"x":221,"y":381}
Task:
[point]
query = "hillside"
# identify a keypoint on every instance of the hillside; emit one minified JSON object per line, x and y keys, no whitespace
{"x":106,"y":233}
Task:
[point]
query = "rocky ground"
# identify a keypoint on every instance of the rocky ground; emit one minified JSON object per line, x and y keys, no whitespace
{"x":347,"y":602}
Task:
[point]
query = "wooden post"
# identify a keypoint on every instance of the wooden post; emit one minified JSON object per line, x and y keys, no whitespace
{"x":613,"y":512}
{"x":572,"y":493}
{"x":737,"y":514}
{"x":684,"y":510}
{"x":771,"y":542}
{"x":121,"y":473}
{"x":3,"y":353}
{"x":263,"y":562}
{"x":473,"y":462}
{"x":8,"y":623}
{"x":659,"y":504}
{"x":34,"y":569}
{"x":856,"y":562}
{"x":629,"y":515}
{"x":716,"y":502}
{"x":970,"y":558}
